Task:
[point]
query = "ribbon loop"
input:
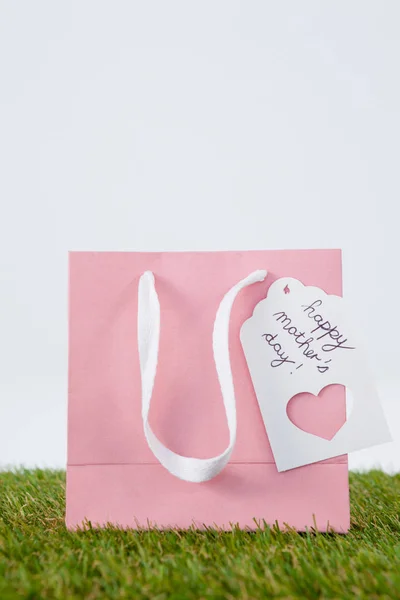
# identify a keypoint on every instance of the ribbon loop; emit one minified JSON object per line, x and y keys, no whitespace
{"x":187,"y":468}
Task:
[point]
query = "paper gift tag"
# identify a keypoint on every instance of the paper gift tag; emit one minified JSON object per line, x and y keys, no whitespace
{"x":300,"y":339}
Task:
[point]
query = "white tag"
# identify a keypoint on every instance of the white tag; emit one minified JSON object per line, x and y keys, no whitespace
{"x":299,"y":339}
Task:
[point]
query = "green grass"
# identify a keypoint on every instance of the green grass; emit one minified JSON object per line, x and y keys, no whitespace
{"x":39,"y":558}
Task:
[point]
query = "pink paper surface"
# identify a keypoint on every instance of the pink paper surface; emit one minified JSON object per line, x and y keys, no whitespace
{"x":147,"y":495}
{"x":105,"y":426}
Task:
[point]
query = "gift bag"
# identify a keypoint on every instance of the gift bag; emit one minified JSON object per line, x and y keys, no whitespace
{"x":164,"y":427}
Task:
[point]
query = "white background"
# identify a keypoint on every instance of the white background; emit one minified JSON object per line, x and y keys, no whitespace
{"x":153,"y":125}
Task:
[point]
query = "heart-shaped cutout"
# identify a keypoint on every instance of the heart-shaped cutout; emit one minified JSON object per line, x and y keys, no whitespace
{"x":321,"y":415}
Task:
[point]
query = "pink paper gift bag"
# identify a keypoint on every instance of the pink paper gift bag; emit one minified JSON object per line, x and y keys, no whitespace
{"x":153,"y":440}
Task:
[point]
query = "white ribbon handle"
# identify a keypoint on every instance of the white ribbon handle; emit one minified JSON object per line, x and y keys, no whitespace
{"x":189,"y":469}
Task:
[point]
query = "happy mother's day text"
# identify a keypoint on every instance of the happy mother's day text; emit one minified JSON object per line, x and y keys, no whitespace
{"x":307,"y":342}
